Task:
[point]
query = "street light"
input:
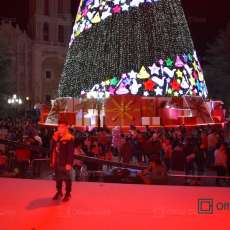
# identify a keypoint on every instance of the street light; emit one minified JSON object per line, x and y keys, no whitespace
{"x":15,"y":100}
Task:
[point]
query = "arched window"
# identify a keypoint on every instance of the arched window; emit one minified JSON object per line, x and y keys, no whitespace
{"x":60,"y":7}
{"x":46,"y":31}
{"x":46,"y":7}
{"x":48,"y":74}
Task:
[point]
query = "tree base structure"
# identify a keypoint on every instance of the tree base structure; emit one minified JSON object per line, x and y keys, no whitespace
{"x":138,"y":111}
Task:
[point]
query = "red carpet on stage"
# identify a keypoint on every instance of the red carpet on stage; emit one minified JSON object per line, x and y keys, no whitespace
{"x":27,"y":205}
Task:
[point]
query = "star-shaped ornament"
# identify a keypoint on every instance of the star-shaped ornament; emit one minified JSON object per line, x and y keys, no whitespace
{"x":146,"y":93}
{"x":179,"y":74}
{"x":133,"y":74}
{"x":169,"y":62}
{"x":158,"y":91}
{"x":176,"y":94}
{"x":111,"y":90}
{"x":125,"y":7}
{"x":114,"y":81}
{"x":116,"y":9}
{"x":154,"y":69}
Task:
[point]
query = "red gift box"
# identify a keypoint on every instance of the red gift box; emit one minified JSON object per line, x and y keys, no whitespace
{"x":123,"y":111}
{"x":68,"y":117}
{"x":199,"y":109}
{"x":147,"y":107}
{"x":169,"y":117}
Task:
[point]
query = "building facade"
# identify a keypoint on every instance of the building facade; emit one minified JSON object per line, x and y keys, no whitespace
{"x":37,"y":55}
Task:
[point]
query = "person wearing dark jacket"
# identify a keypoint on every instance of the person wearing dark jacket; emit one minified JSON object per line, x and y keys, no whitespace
{"x":62,"y":154}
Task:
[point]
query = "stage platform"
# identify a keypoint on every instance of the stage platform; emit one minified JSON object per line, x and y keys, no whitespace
{"x":27,"y":205}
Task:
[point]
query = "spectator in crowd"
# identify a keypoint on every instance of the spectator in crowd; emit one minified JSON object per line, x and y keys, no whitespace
{"x":77,"y":164}
{"x":212,"y":143}
{"x":221,"y":161}
{"x":3,"y":162}
{"x":126,"y":151}
{"x":167,"y":149}
{"x":116,"y":139}
{"x":171,"y":145}
{"x":156,"y":173}
{"x":190,"y":155}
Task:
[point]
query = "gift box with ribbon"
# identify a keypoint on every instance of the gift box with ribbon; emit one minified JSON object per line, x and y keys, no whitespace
{"x":68,"y":117}
{"x":123,"y":111}
{"x":199,"y":109}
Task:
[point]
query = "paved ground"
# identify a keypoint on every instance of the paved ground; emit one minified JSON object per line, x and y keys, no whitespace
{"x":26,"y":204}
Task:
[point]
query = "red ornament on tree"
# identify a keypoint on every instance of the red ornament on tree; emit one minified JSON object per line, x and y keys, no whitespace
{"x":175,"y":85}
{"x":149,"y":85}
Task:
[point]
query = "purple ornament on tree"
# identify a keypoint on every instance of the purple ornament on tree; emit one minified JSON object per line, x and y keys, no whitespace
{"x":179,"y":62}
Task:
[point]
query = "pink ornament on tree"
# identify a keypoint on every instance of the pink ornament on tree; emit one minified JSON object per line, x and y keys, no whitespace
{"x":179,"y":62}
{"x":111,"y":90}
{"x":84,"y":12}
{"x":116,"y":9}
{"x":122,"y":90}
{"x":161,"y":61}
{"x":195,"y":75}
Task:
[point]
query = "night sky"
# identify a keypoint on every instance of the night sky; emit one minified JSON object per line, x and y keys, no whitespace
{"x":208,"y":17}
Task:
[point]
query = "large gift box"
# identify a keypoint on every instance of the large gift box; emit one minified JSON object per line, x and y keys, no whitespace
{"x":199,"y":109}
{"x":123,"y":111}
{"x":148,"y":108}
{"x":218,"y":112}
{"x":68,"y":117}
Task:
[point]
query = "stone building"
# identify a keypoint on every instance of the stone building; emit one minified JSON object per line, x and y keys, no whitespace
{"x":37,"y":55}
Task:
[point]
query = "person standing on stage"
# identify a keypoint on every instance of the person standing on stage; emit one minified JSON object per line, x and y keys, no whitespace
{"x":62,"y":155}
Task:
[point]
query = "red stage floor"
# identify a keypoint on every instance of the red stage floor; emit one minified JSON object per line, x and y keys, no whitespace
{"x":26,"y":205}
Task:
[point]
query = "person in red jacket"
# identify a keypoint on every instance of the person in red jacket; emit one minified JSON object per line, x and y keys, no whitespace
{"x":62,"y":156}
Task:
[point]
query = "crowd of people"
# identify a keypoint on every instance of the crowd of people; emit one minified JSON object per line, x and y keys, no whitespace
{"x":194,"y":150}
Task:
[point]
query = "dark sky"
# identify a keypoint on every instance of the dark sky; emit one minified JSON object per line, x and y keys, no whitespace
{"x":208,"y":17}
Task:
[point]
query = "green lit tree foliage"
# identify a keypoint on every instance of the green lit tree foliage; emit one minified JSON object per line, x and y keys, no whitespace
{"x":139,"y":47}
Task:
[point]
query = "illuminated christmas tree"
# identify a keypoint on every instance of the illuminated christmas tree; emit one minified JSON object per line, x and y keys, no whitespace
{"x":132,"y":47}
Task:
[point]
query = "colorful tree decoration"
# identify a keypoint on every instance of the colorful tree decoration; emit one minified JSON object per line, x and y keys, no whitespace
{"x":175,"y":85}
{"x":114,"y":81}
{"x":149,"y":85}
{"x":143,"y":74}
{"x":96,"y":18}
{"x":179,"y":62}
{"x":122,"y":90}
{"x":169,"y":62}
{"x":118,"y":46}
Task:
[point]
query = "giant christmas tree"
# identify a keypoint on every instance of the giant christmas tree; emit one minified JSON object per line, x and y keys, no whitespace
{"x":132,"y":47}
